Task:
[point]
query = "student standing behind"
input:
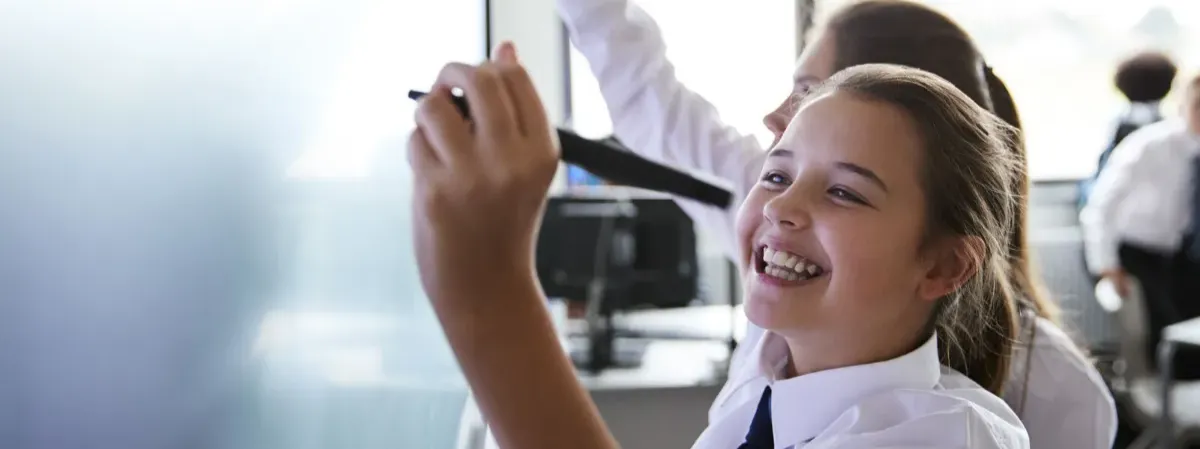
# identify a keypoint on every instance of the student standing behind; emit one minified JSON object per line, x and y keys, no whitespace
{"x":1142,"y":221}
{"x":858,"y":327}
{"x":1145,"y":79}
{"x":1058,"y":394}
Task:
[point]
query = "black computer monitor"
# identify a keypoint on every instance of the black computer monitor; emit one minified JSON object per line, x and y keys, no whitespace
{"x":640,"y":245}
{"x":616,"y":249}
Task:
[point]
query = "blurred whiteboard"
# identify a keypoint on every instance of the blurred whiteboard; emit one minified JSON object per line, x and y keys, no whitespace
{"x":204,"y":238}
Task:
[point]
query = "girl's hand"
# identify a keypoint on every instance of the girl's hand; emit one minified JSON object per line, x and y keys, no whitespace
{"x":480,"y":184}
{"x":480,"y":189}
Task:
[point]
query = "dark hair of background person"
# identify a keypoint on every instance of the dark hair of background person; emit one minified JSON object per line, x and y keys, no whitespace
{"x":1146,"y":77}
{"x":967,"y":172}
{"x":906,"y":33}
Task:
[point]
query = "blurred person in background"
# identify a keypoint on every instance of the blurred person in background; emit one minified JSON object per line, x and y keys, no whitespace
{"x":1060,"y":397}
{"x":1143,"y":221}
{"x":1144,"y":79}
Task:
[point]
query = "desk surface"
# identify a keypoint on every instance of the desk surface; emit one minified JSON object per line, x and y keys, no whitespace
{"x":697,"y":322}
{"x":667,"y":364}
{"x":1187,"y":332}
{"x":688,"y":347}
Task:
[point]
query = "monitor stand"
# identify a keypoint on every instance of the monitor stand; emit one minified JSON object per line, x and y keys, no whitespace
{"x":625,"y":353}
{"x":604,"y":351}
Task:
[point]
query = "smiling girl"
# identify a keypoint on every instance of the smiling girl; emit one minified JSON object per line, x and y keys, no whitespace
{"x":874,"y":249}
{"x":1060,"y":397}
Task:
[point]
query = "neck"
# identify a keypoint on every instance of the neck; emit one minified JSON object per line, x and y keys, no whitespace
{"x":1142,"y":112}
{"x":1192,"y":125}
{"x":811,"y":353}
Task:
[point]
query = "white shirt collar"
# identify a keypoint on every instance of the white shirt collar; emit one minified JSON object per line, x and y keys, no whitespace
{"x":1143,"y":113}
{"x":803,"y":406}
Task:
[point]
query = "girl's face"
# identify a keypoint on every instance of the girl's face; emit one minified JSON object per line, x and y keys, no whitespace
{"x":831,"y":234}
{"x":814,"y":66}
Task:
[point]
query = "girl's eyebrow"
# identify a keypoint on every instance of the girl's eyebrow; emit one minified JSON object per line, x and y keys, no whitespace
{"x":781,"y":152}
{"x":863,"y":172}
{"x":805,"y":79}
{"x":851,"y":167}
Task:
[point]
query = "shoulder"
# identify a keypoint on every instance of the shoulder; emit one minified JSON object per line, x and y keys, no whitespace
{"x":1055,"y":353}
{"x":1153,"y":133}
{"x":1061,"y":395}
{"x":1059,"y":372}
{"x":956,"y":414}
{"x":1145,"y":146}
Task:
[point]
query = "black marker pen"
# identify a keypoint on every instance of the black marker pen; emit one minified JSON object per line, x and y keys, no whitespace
{"x":459,"y":102}
{"x":622,"y":167}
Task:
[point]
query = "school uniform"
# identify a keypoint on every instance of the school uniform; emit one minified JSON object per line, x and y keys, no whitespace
{"x":908,"y":401}
{"x":655,"y":115}
{"x":1043,"y":388}
{"x":1142,"y":217}
{"x":1133,"y":118}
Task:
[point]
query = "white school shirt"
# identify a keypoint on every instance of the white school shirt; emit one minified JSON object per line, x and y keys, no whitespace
{"x":656,"y":116}
{"x":1064,"y":404}
{"x":908,"y":401}
{"x":1143,"y":196}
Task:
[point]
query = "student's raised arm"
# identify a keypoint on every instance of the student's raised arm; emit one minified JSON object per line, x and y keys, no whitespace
{"x":652,"y":112}
{"x":479,"y":191}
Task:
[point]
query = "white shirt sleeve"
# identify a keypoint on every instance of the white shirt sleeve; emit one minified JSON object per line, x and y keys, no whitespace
{"x":1098,"y":219}
{"x":653,"y":113}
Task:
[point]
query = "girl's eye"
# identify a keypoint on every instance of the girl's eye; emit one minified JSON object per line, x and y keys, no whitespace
{"x":846,"y":195}
{"x":803,"y":90}
{"x":774,"y":178}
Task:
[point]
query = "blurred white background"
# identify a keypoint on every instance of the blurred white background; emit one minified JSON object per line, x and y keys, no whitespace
{"x":206,"y":237}
{"x":1057,"y":57}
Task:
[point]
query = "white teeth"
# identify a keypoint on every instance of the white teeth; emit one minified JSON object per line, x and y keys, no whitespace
{"x":784,"y":265}
{"x":779,"y":258}
{"x":791,"y":262}
{"x":788,"y":275}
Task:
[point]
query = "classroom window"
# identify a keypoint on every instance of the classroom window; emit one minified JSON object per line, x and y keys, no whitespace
{"x":1058,"y":58}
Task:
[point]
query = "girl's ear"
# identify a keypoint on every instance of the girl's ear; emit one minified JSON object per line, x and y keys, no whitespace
{"x":955,"y":260}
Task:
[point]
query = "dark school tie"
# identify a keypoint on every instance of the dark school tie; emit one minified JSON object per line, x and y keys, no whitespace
{"x":761,"y":435}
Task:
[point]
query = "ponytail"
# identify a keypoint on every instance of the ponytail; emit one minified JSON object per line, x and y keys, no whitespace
{"x":977,"y":327}
{"x":1002,"y":101}
{"x":1024,"y":281}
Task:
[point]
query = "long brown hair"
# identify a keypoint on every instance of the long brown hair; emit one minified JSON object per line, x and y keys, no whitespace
{"x":967,"y":172}
{"x":906,"y":33}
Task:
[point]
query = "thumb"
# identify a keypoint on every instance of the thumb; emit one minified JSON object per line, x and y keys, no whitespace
{"x":506,"y":52}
